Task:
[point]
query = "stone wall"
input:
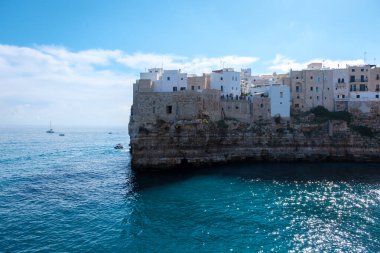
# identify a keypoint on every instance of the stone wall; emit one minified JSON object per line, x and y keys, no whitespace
{"x":186,"y":105}
{"x":197,"y":142}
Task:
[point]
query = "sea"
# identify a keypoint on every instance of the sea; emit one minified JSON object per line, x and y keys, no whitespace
{"x":76,"y":193}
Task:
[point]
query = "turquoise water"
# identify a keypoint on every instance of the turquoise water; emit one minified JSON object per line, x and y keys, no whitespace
{"x":78,"y":194}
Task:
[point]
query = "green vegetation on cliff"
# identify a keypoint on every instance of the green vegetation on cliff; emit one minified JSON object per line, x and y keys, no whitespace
{"x":322,"y":115}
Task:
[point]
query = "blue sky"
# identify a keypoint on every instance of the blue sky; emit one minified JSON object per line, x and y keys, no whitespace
{"x":74,"y":61}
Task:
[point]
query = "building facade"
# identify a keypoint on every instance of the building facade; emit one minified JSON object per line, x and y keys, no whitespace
{"x":227,"y":81}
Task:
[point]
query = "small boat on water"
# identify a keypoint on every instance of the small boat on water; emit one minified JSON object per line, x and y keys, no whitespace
{"x":50,"y":131}
{"x":119,"y":146}
{"x":61,"y":134}
{"x":109,"y":132}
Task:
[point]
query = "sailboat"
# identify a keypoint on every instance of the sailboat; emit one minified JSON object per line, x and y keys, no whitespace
{"x":50,"y":131}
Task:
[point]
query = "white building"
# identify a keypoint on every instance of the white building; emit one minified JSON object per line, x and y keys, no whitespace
{"x":227,"y":81}
{"x":364,"y":96}
{"x":279,"y":98}
{"x":152,"y":74}
{"x":171,"y":81}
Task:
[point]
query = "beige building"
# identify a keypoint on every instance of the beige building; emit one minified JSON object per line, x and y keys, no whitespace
{"x":198,"y":83}
{"x":374,"y":79}
{"x":358,"y":77}
{"x":311,"y":88}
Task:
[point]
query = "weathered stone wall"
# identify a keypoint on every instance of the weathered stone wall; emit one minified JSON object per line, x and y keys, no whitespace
{"x":162,"y":145}
{"x":187,"y":105}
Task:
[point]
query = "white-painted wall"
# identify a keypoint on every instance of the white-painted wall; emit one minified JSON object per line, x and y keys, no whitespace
{"x":227,"y":81}
{"x":364,"y":96}
{"x":152,"y":74}
{"x":279,"y":98}
{"x":172,"y":80}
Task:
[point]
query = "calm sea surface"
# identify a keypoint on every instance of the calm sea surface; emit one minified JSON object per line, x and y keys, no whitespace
{"x":77,"y":194}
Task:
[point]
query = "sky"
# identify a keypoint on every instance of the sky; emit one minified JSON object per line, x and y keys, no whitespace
{"x":73,"y":62}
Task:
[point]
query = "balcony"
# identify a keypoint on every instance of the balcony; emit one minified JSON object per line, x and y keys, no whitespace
{"x":340,"y":85}
{"x":354,"y":80}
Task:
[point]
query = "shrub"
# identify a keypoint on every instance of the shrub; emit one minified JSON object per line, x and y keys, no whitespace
{"x":363,"y":130}
{"x":277,"y":119}
{"x":222,"y":124}
{"x":323,"y":114}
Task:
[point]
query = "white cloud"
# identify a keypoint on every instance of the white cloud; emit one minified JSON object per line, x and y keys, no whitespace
{"x":196,"y":65}
{"x":90,"y":87}
{"x":283,"y":64}
{"x":43,"y":83}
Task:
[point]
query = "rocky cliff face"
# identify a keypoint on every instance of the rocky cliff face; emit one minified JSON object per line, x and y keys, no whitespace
{"x":164,"y":144}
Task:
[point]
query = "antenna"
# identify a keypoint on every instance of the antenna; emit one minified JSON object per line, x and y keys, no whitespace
{"x":365,"y":57}
{"x":374,"y":61}
{"x":222,"y":63}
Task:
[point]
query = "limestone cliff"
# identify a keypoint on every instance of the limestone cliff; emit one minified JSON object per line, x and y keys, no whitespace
{"x":308,"y":137}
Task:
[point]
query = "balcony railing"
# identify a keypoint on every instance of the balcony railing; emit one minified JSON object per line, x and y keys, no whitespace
{"x":340,"y":85}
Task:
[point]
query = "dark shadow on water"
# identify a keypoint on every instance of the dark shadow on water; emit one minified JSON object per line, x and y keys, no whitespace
{"x":300,"y":172}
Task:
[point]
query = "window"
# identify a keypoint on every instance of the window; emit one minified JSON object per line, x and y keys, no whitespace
{"x":338,"y":80}
{"x":377,"y":87}
{"x":192,"y":87}
{"x":377,"y":77}
{"x":362,"y":78}
{"x":311,"y":88}
{"x":352,"y":79}
{"x":352,"y":70}
{"x":233,"y":79}
{"x":343,"y":96}
{"x":298,"y":97}
{"x":199,"y":87}
{"x":221,"y":78}
{"x":362,"y":70}
{"x":357,"y":96}
{"x":317,"y":97}
{"x":311,"y":77}
{"x":181,"y":78}
{"x":337,"y":96}
{"x":169,"y":109}
{"x":237,"y":107}
{"x":168,"y":78}
{"x":296,"y":77}
{"x":296,"y":105}
{"x":316,"y":89}
{"x":377,"y":96}
{"x":221,"y":87}
{"x":280,"y":103}
{"x":183,"y":88}
{"x":297,"y":89}
{"x":362,"y":87}
{"x":154,"y":109}
{"x":261,"y":105}
{"x":281,"y":94}
{"x":175,"y":88}
{"x":311,"y":97}
{"x":342,"y":80}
